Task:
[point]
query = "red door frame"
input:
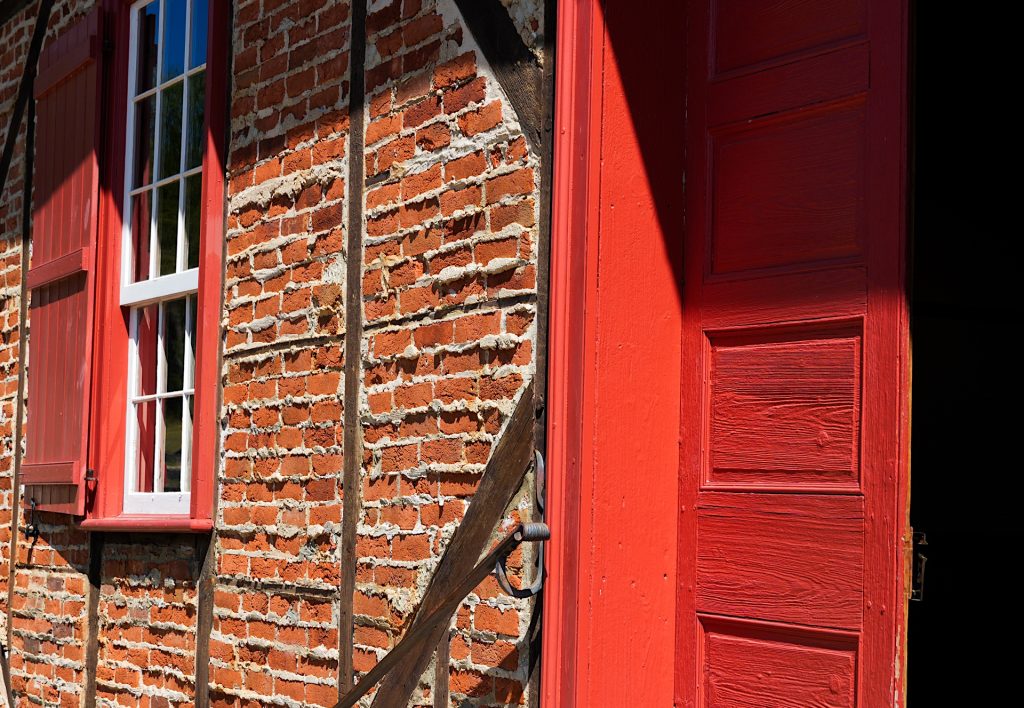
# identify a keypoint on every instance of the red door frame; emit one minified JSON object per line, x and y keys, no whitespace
{"x":588,"y":659}
{"x":613,"y":434}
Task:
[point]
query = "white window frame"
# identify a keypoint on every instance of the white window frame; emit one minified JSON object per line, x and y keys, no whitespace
{"x":173,"y":286}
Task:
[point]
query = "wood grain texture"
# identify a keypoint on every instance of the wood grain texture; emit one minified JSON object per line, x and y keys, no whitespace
{"x":785,"y":413}
{"x":633,"y":314}
{"x":352,"y":435}
{"x":824,"y":294}
{"x":758,"y":665}
{"x":65,"y":213}
{"x":574,"y":214}
{"x":747,"y":32}
{"x":782,"y":557}
{"x":788,"y":190}
{"x":825,"y":77}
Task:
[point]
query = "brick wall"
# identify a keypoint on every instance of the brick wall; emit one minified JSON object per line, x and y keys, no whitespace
{"x":448,"y":259}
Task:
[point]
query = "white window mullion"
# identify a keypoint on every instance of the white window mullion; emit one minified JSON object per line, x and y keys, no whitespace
{"x":154,"y":242}
{"x":188,"y":383}
{"x":165,"y":181}
{"x":162,"y":396}
{"x":131,"y":463}
{"x":161,"y":387}
{"x":163,"y":288}
{"x":127,"y":246}
{"x":180,"y":255}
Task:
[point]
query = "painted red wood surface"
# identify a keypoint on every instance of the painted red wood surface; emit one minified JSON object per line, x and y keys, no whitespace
{"x":108,"y":429}
{"x":794,"y":342}
{"x":61,"y":275}
{"x":615,"y":348}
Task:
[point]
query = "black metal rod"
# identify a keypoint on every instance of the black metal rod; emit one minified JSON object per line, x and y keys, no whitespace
{"x":24,"y":91}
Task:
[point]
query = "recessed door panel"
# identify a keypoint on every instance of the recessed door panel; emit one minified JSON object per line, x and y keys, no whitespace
{"x":754,"y":664}
{"x":748,"y":32}
{"x":788,"y":190}
{"x":782,"y":557}
{"x":785,"y":413}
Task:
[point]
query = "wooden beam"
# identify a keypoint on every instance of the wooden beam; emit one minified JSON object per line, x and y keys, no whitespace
{"x":515,"y":66}
{"x":438,"y":620}
{"x":501,"y":479}
{"x":97,"y":540}
{"x":352,"y":436}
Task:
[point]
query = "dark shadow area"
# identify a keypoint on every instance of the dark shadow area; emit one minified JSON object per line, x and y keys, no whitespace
{"x":965,"y":483}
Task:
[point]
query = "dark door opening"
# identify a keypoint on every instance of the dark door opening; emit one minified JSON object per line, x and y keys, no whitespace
{"x":965,"y":305}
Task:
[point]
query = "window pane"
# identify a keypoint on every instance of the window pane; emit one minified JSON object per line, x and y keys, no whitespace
{"x":142,"y":212}
{"x":170,"y":129}
{"x":145,"y":416}
{"x":147,"y":326}
{"x":148,"y":19}
{"x":193,"y":210}
{"x":174,"y":344}
{"x":172,"y":444}
{"x":196,"y":132}
{"x":145,"y":127}
{"x":167,"y":227}
{"x":200,"y":15}
{"x":174,"y":39}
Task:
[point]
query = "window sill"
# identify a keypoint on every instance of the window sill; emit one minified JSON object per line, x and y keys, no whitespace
{"x":146,"y":523}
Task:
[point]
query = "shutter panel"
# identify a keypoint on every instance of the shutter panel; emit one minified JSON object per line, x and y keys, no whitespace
{"x":61,"y":277}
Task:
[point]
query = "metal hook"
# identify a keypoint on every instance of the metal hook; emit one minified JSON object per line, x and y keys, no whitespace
{"x":32,"y":527}
{"x":500,"y":570}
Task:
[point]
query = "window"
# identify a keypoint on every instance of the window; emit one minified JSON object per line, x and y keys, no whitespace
{"x":126,"y":267}
{"x":165,"y":138}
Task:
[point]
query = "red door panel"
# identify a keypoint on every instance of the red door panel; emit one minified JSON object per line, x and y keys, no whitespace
{"x":793,"y":342}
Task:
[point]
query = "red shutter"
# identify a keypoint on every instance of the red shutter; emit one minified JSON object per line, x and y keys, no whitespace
{"x":61,"y":278}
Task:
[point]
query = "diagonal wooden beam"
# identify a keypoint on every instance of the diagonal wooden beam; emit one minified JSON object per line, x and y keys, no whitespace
{"x":501,"y":479}
{"x":515,"y":66}
{"x":439,"y":618}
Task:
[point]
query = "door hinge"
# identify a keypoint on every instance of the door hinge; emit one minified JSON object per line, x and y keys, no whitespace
{"x":918,"y":561}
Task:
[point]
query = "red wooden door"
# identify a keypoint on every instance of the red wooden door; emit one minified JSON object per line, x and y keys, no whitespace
{"x":794,"y":339}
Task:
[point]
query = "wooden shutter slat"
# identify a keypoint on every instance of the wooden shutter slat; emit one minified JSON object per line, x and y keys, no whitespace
{"x":61,"y":278}
{"x":62,"y":267}
{"x":78,"y":55}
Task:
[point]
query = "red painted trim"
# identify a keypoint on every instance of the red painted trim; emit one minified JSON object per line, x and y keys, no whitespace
{"x":62,"y":267}
{"x":111,"y":354}
{"x":614,"y":359}
{"x":574,"y":209}
{"x":183,"y":524}
{"x":211,"y":259}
